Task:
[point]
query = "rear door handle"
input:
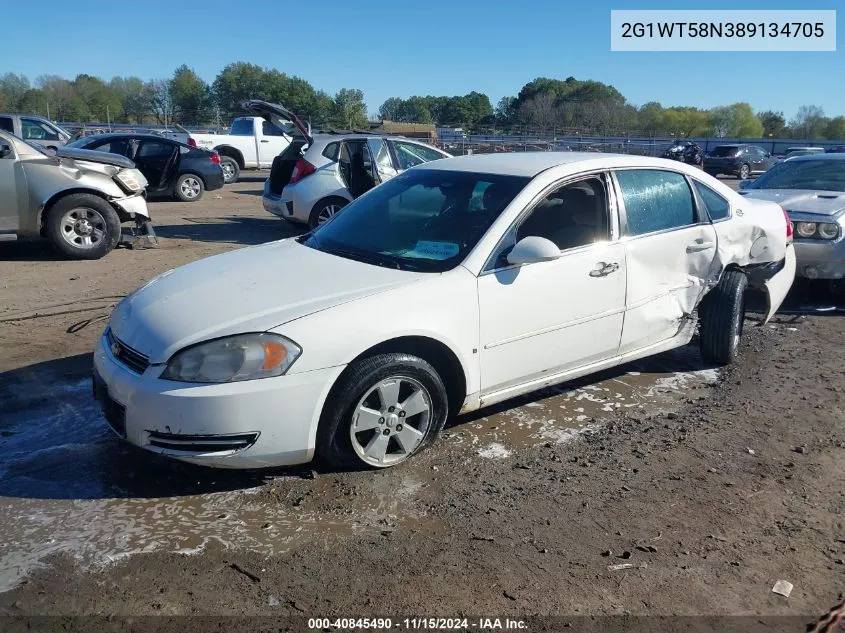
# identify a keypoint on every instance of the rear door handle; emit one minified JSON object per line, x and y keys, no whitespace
{"x":264,"y":140}
{"x":699,"y":245}
{"x":603,"y":269}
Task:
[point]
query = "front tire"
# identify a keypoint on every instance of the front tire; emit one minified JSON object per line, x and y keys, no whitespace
{"x":744,"y":172}
{"x":82,"y":226}
{"x":722,"y":314}
{"x":231,"y":169}
{"x":385,"y":409}
{"x":188,"y":188}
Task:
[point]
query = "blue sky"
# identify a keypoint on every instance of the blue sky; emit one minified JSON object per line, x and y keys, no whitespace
{"x":427,"y":47}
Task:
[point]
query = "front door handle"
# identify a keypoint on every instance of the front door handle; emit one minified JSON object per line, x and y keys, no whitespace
{"x":264,"y":140}
{"x":603,"y":269}
{"x":699,"y":245}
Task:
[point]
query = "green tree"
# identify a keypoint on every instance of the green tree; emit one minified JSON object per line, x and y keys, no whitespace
{"x":390,"y":109}
{"x":773,"y":123}
{"x":835,"y":130}
{"x":189,"y":95}
{"x":236,"y":83}
{"x":33,"y":101}
{"x":136,"y":99}
{"x":651,"y":118}
{"x":809,"y":122}
{"x":350,"y":109}
{"x":505,"y":111}
{"x":14,"y":87}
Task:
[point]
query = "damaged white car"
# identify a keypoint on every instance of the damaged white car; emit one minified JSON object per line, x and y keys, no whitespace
{"x":451,"y":287}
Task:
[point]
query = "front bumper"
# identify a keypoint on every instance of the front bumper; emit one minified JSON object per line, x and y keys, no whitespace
{"x":133,"y":205}
{"x":249,"y":424}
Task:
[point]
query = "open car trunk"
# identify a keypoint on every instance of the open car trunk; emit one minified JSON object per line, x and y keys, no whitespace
{"x":299,"y":131}
{"x":283,"y":165}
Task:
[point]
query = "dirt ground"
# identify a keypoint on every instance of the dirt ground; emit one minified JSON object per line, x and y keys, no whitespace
{"x":711,"y":484}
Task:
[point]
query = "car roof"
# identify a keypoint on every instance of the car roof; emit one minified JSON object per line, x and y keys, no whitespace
{"x":325,"y":137}
{"x":826,"y":156}
{"x":142,"y":136}
{"x":532,"y":163}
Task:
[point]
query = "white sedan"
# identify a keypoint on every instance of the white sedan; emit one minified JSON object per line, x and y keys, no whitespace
{"x":451,"y":287}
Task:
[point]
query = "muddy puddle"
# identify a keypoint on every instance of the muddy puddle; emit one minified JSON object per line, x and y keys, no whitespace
{"x":561,"y":413}
{"x":68,"y":485}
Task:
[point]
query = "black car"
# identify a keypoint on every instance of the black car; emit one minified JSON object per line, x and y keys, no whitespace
{"x":738,"y":160}
{"x":687,"y":152}
{"x":173,"y":169}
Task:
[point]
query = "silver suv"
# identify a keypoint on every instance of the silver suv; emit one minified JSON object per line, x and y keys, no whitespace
{"x":34,"y":129}
{"x":317,"y":175}
{"x":76,"y":198}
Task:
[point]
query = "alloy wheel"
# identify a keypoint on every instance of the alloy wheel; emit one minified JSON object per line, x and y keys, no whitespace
{"x":83,"y":227}
{"x":190,"y":187}
{"x":390,"y":421}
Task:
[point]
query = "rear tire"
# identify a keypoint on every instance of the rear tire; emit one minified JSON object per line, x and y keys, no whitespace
{"x":188,"y":188}
{"x":231,"y":169}
{"x":371,"y":396}
{"x":82,"y":226}
{"x":722,"y":313}
{"x":324,"y":210}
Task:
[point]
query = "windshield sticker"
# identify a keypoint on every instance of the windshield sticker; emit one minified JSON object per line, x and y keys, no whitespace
{"x":434,"y":250}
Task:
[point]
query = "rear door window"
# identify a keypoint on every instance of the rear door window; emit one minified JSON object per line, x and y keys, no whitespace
{"x":154,"y":149}
{"x":6,"y":124}
{"x":655,"y":200}
{"x":331,"y":151}
{"x":717,"y":207}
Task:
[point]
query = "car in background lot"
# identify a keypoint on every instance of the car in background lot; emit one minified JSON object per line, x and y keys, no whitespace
{"x":317,"y":175}
{"x":172,"y":168}
{"x":688,"y":152}
{"x":34,"y":129}
{"x":75,"y":198}
{"x":738,"y":160}
{"x":446,"y":289}
{"x":792,"y":152}
{"x":252,"y":143}
{"x":836,"y":149}
{"x":812,"y":190}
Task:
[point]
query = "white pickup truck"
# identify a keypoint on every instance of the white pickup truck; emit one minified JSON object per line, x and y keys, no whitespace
{"x":252,"y":143}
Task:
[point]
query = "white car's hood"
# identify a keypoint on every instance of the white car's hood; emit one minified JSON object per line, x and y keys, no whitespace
{"x":803,"y":200}
{"x":248,"y":290}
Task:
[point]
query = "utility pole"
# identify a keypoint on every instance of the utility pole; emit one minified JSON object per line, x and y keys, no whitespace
{"x":108,"y":117}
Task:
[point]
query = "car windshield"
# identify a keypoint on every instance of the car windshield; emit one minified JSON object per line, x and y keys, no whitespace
{"x":725,"y":150}
{"x":424,"y":220}
{"x":824,"y":175}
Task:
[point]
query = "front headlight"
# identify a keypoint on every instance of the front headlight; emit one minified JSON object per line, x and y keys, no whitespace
{"x":129,"y":180}
{"x":233,"y":358}
{"x":828,"y":231}
{"x":805,"y":229}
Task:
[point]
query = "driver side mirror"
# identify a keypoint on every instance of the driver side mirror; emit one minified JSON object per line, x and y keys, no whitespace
{"x":5,"y":150}
{"x":532,"y":249}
